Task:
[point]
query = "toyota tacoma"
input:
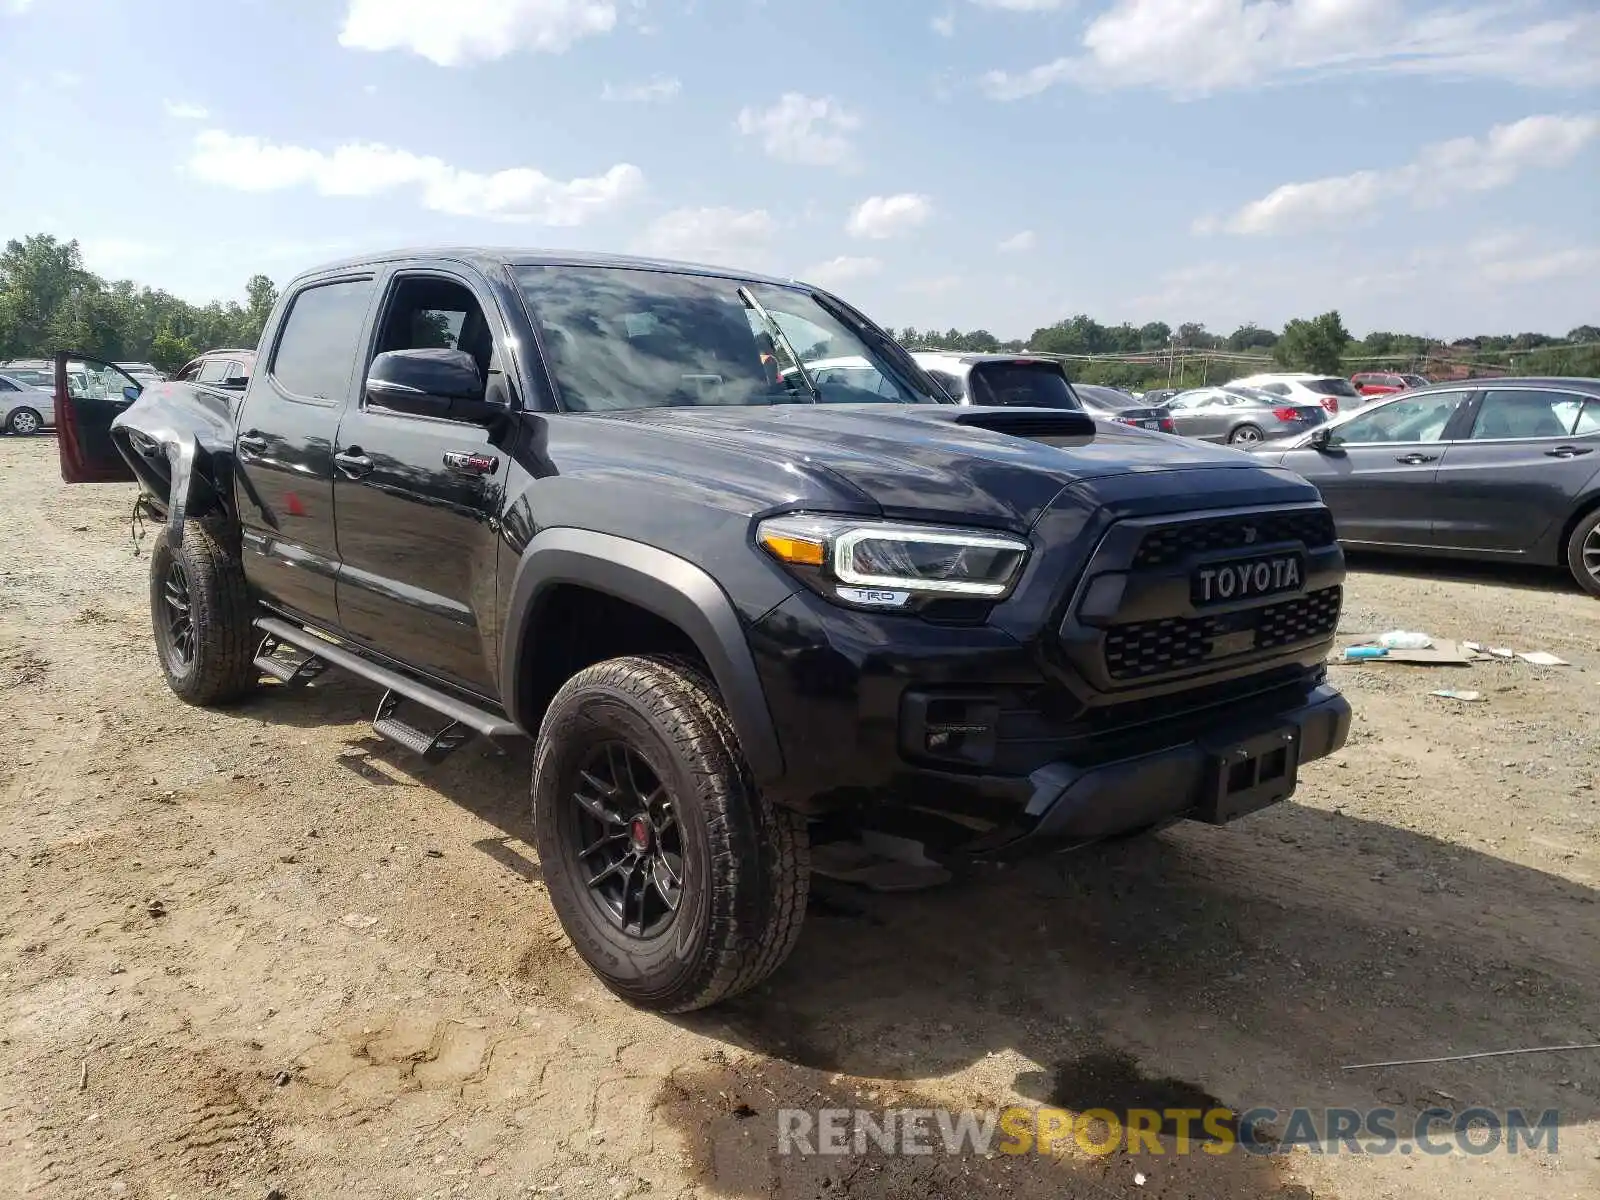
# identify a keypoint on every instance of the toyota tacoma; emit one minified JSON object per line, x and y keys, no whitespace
{"x":602,"y":504}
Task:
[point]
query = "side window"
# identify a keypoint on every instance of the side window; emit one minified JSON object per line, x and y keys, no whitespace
{"x":213,"y":370}
{"x":429,"y":312}
{"x":317,"y":347}
{"x":1588,"y":422}
{"x":1418,"y":419}
{"x":1277,"y":389}
{"x":1507,"y":414}
{"x":7,"y":386}
{"x":189,"y":372}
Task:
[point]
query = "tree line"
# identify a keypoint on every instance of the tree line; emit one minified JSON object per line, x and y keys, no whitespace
{"x":50,"y":300}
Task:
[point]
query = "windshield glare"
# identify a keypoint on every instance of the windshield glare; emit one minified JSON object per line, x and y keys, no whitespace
{"x":621,"y":338}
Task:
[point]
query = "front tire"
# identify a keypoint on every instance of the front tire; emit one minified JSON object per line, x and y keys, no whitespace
{"x":203,"y":617}
{"x":1583,"y":553}
{"x":24,"y":421}
{"x":677,"y":881}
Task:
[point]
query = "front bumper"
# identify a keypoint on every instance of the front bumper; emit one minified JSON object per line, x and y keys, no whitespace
{"x":1071,"y":806}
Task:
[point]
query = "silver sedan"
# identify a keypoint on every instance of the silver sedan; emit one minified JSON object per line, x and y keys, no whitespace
{"x":1240,"y":416}
{"x":25,"y":408}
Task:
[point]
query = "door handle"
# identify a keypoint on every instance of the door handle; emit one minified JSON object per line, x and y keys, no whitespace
{"x":252,"y":443}
{"x":1568,"y":451}
{"x":1416,"y":460}
{"x":353,"y":463}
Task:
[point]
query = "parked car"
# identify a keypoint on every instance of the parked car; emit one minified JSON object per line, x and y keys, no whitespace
{"x":1119,"y":406}
{"x":1504,"y":469}
{"x":726,"y":603}
{"x":1336,"y":395}
{"x":40,"y":373}
{"x":142,"y":371}
{"x":1006,"y":380}
{"x":24,"y":406}
{"x":220,"y":368}
{"x":1384,"y":383}
{"x":1240,"y":416}
{"x":1158,"y":395}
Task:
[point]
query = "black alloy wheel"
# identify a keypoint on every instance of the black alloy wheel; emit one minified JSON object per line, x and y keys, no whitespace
{"x":628,"y":843}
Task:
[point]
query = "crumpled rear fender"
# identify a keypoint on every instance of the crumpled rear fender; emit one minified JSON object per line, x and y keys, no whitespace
{"x":179,"y":440}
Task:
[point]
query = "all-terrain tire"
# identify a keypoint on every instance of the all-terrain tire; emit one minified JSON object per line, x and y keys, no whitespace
{"x":745,"y":862}
{"x":214,"y":662}
{"x":1583,"y":553}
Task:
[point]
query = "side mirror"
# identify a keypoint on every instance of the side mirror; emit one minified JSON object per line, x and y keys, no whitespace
{"x":429,"y":382}
{"x":131,"y":393}
{"x":1322,"y":439}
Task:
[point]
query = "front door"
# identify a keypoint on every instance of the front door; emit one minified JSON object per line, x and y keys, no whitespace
{"x":1528,"y":455}
{"x":417,"y":496}
{"x":283,"y":484}
{"x":1204,"y":414}
{"x":1377,"y":471}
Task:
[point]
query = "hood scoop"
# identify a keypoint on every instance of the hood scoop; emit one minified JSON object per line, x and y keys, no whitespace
{"x":1038,"y":424}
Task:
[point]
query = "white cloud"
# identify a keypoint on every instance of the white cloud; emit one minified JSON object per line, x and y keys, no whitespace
{"x":1018,"y":242}
{"x":842,"y":270}
{"x":184,"y":112}
{"x":519,"y":194}
{"x":944,"y":24}
{"x":15,"y":8}
{"x":812,"y":131}
{"x":729,"y":236}
{"x":889,"y":216}
{"x":652,"y":91}
{"x":1194,"y":47}
{"x":1023,"y":5}
{"x":466,"y":30}
{"x":1440,"y":170}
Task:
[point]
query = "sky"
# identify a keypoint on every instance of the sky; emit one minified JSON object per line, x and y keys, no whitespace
{"x":1427,"y":166}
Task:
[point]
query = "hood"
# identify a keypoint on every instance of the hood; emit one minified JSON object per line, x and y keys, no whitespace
{"x":924,"y":462}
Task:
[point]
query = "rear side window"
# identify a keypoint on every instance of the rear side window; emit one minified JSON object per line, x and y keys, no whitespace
{"x":1022,"y":385}
{"x":1588,"y":422}
{"x":1527,"y":414}
{"x":317,"y":348}
{"x":212,"y":371}
{"x":1331,"y":387}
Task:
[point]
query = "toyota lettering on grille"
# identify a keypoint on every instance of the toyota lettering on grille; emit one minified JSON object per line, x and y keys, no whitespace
{"x":1270,"y":575}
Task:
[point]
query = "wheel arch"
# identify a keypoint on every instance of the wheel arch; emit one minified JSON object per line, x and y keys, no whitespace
{"x":1583,"y":509}
{"x":671,"y":589}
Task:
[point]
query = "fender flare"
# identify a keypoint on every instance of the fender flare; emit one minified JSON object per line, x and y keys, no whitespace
{"x":671,"y":588}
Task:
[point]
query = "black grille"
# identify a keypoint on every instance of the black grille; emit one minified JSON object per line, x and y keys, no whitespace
{"x":1148,"y":648}
{"x":1171,"y":543}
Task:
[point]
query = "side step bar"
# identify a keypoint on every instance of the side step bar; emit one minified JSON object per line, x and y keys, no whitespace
{"x":464,"y":718}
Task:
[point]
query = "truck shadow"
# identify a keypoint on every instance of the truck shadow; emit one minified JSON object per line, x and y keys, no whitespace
{"x":1247,"y":965}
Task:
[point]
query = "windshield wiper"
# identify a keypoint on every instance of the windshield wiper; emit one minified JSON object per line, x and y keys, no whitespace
{"x":779,"y":338}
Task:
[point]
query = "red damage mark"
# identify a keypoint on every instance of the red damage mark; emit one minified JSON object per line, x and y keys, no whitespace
{"x":291,"y":501}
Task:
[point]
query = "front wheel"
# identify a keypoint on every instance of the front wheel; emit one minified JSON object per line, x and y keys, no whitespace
{"x":1583,"y":553}
{"x":677,"y":881}
{"x":24,"y":421}
{"x":1245,"y":435}
{"x":203,"y":617}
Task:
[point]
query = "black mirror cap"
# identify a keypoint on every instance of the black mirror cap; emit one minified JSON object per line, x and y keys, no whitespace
{"x":1322,"y":438}
{"x":435,"y":382}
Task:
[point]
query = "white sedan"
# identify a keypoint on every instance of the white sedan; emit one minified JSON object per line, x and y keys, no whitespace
{"x":25,"y":408}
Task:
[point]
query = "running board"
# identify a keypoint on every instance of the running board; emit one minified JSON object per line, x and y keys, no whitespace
{"x":464,"y":718}
{"x":292,"y":673}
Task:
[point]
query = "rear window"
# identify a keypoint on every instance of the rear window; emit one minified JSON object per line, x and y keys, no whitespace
{"x":1022,"y":385}
{"x":1332,"y":387}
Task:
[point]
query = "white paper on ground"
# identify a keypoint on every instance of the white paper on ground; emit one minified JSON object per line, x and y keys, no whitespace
{"x":1540,"y":659}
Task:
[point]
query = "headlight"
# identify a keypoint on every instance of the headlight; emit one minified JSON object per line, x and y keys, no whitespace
{"x":899,"y":561}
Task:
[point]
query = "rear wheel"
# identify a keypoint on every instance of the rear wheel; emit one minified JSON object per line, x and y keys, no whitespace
{"x":202,"y":616}
{"x":24,"y":421}
{"x":1583,"y":553}
{"x":677,"y":881}
{"x":1245,"y":435}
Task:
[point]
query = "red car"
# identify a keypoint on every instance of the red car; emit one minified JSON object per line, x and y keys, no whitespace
{"x":1384,"y":383}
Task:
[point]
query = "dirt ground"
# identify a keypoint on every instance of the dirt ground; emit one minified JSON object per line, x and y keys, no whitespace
{"x":259,"y":953}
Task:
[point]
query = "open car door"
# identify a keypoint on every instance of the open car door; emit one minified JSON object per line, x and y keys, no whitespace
{"x":90,"y":394}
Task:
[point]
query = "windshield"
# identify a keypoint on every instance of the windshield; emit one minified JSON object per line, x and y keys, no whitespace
{"x":619,"y":338}
{"x":1331,"y":387}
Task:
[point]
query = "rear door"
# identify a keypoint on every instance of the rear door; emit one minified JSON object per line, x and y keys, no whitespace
{"x":86,"y":402}
{"x":1378,"y":470}
{"x":1517,"y":471}
{"x":283,"y":484}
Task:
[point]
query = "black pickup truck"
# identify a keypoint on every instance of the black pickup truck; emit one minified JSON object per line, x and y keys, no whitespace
{"x":602,"y":504}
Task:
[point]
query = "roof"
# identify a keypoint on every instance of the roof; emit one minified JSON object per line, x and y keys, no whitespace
{"x":490,"y":258}
{"x":1551,"y":381}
